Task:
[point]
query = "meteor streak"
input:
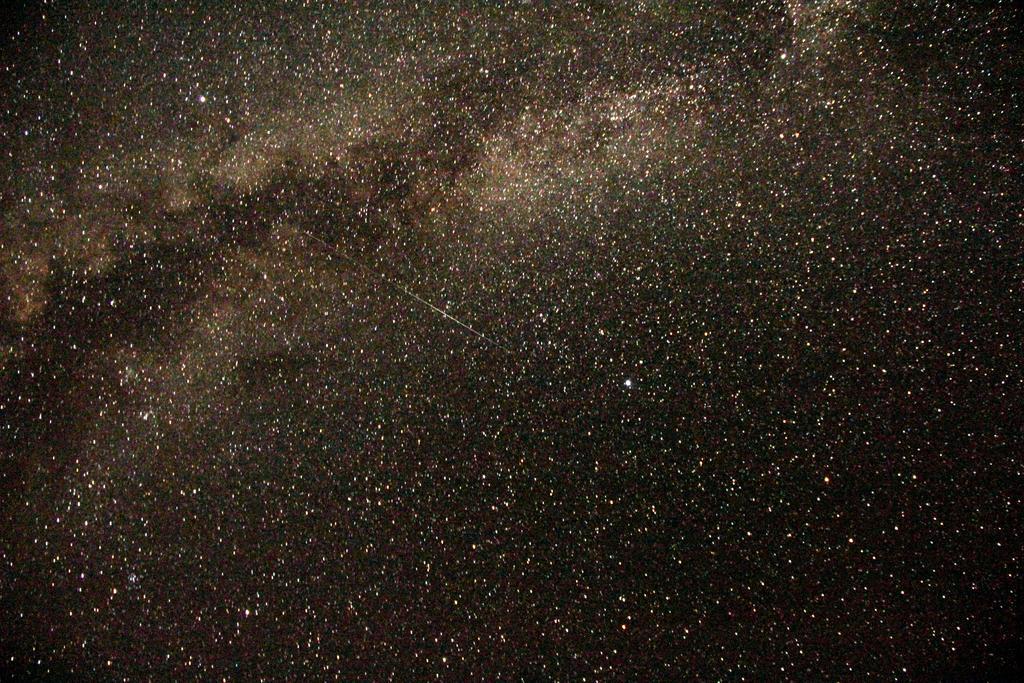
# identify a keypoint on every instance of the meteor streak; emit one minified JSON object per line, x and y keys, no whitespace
{"x":394,"y":284}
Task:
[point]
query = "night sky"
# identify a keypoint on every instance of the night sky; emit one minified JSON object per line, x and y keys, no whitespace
{"x":589,"y":340}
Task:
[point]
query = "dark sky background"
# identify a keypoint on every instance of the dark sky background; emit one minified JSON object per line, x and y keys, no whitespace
{"x":747,"y":402}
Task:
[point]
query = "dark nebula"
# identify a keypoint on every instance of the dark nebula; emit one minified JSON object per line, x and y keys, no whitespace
{"x":589,"y":340}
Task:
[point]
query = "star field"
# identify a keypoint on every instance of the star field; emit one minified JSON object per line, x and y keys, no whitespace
{"x":592,"y":340}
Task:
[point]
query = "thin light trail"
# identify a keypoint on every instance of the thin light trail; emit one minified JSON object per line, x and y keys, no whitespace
{"x":394,"y":284}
